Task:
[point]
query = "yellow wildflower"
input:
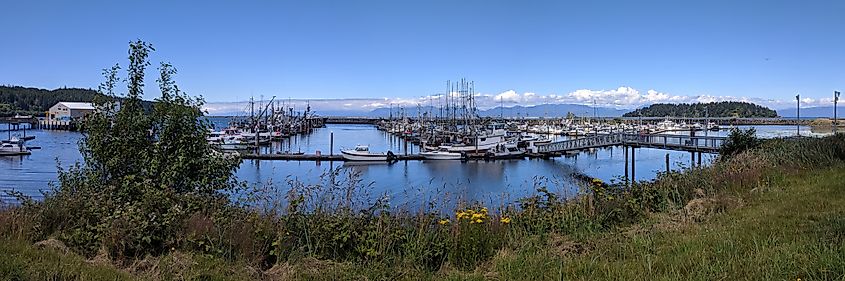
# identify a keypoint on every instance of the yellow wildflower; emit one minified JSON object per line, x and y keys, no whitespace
{"x":443,"y":222}
{"x":505,"y":220}
{"x":477,"y":216}
{"x":460,"y":215}
{"x":484,"y":210}
{"x":479,"y":221}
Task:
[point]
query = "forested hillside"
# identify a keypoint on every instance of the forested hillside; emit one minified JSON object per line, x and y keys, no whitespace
{"x":713,"y":109}
{"x":34,"y":101}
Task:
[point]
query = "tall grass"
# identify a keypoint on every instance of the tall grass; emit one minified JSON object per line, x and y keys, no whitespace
{"x":328,"y":221}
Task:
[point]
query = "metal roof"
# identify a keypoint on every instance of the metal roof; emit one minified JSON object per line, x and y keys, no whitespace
{"x":78,"y":105}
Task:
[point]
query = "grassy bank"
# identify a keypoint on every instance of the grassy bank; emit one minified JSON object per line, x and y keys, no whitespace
{"x":772,"y":212}
{"x":785,"y":231}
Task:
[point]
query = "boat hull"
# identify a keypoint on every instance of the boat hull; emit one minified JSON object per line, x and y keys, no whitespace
{"x":441,"y":156}
{"x":363,"y":157}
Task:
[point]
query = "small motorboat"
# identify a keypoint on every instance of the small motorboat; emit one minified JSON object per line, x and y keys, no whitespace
{"x":441,"y":154}
{"x":362,"y":153}
{"x":13,"y":147}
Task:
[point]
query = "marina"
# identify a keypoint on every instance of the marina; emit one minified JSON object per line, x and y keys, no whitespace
{"x":405,"y":180}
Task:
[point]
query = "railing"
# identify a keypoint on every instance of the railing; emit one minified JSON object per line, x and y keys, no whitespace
{"x":663,"y":141}
{"x":582,"y":143}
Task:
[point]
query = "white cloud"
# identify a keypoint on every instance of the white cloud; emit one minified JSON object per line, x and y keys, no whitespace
{"x":620,"y":98}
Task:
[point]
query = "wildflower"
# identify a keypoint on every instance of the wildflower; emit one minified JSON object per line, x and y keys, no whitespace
{"x":505,"y":220}
{"x":484,"y":210}
{"x":460,"y":215}
{"x":477,"y":216}
{"x":596,"y":181}
{"x":443,"y":222}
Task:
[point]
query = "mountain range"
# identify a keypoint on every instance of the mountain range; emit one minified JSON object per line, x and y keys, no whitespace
{"x":545,"y":110}
{"x":821,"y":111}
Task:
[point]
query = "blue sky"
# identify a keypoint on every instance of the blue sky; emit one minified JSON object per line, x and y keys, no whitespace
{"x":621,"y":53}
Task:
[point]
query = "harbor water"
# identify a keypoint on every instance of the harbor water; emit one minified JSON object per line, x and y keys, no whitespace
{"x":406,"y":184}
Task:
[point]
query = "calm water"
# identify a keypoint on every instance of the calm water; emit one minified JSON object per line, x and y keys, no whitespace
{"x":407,"y":183}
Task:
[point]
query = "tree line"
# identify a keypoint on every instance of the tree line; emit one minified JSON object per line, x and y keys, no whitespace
{"x":712,"y":109}
{"x":35,"y":101}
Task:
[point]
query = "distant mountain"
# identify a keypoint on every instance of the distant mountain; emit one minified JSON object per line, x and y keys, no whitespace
{"x":544,"y":110}
{"x":713,"y":109}
{"x":821,"y":111}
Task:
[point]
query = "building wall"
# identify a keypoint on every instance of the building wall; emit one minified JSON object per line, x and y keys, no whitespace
{"x":79,"y":113}
{"x":59,"y":111}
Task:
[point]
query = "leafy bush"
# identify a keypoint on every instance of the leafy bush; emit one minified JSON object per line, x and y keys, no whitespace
{"x":144,"y":173}
{"x":739,"y":141}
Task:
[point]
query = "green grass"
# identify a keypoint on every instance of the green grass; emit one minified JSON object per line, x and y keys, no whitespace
{"x":792,"y":229}
{"x":21,"y":261}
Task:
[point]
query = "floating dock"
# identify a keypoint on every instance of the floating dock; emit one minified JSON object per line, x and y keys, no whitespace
{"x":315,"y":157}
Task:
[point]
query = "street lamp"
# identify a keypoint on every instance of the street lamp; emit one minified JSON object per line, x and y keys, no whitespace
{"x":835,"y":100}
{"x":798,"y":113}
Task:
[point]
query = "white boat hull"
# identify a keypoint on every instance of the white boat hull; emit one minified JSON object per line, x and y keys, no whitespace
{"x":352,"y":156}
{"x":435,"y":155}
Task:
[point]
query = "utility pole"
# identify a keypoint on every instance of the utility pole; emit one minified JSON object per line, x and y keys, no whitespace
{"x":798,"y":113}
{"x":835,"y":100}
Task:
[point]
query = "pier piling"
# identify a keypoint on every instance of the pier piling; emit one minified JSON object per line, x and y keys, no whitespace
{"x":633,"y":164}
{"x":625,"y":147}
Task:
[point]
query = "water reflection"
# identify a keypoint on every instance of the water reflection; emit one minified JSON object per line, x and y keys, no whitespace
{"x":406,"y":183}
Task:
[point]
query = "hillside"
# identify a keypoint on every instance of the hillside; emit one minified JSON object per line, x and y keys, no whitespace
{"x":34,"y":101}
{"x":808,"y":112}
{"x":713,"y":109}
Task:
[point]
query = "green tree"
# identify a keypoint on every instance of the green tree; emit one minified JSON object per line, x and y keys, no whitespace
{"x":739,"y":141}
{"x":144,"y":170}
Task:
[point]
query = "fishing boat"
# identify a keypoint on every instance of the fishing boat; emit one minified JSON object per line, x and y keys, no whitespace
{"x":233,"y":142}
{"x":505,"y":151}
{"x":362,"y":153}
{"x":13,"y":147}
{"x":495,"y":134}
{"x":441,"y":154}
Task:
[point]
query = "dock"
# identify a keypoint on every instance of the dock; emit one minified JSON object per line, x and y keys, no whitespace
{"x":315,"y":157}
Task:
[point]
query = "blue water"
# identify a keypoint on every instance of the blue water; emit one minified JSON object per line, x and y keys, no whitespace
{"x":405,"y":184}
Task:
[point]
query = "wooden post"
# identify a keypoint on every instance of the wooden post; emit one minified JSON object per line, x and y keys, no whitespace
{"x":624,"y":147}
{"x":692,"y":159}
{"x":667,"y":163}
{"x":331,"y":143}
{"x":699,"y":158}
{"x":633,"y":164}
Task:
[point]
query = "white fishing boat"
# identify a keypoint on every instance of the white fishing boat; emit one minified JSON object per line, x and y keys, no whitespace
{"x":495,"y":134}
{"x":712,"y":126}
{"x":13,"y":147}
{"x":505,"y":151}
{"x":232,"y":142}
{"x":362,"y":153}
{"x":441,"y":154}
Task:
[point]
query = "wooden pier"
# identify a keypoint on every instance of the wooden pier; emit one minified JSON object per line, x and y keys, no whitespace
{"x":704,"y":144}
{"x":315,"y":157}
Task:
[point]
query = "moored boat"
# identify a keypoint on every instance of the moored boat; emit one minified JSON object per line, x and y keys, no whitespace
{"x":13,"y":147}
{"x":441,"y":154}
{"x":363,"y":153}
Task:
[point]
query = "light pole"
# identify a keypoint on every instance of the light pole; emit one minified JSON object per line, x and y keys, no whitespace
{"x":798,"y":113}
{"x":835,"y":100}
